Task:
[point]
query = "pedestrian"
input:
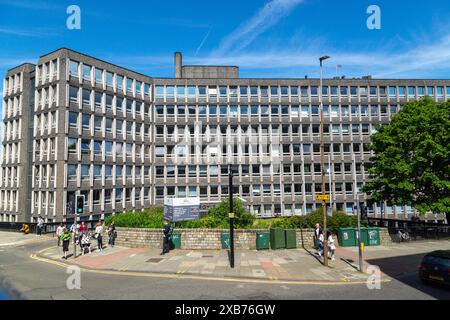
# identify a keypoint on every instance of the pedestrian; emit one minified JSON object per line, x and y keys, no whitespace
{"x":65,"y":238}
{"x":59,"y":232}
{"x":331,"y":245}
{"x":167,"y":233}
{"x":320,"y":243}
{"x":112,"y":234}
{"x":317,"y":232}
{"x":40,"y":226}
{"x":85,"y":242}
{"x":83,"y":227}
{"x":99,"y":235}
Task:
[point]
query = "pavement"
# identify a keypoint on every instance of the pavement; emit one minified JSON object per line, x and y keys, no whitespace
{"x":27,"y":271}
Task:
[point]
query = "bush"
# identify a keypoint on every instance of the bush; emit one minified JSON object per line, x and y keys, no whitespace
{"x":150,"y":218}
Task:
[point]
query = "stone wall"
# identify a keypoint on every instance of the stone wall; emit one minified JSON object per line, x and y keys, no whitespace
{"x":210,"y":239}
{"x":199,"y":239}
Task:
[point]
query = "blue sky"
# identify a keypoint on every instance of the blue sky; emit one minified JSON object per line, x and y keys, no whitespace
{"x":266,"y":38}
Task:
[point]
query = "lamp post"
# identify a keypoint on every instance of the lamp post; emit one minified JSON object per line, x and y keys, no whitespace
{"x":322,"y":149}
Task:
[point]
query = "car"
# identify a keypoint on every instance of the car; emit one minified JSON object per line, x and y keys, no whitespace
{"x":435,"y":267}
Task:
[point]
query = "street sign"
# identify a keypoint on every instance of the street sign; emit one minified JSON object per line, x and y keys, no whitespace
{"x":231,"y":215}
{"x":322,"y":197}
{"x":181,"y":209}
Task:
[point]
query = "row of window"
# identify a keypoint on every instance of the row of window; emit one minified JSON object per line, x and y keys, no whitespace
{"x":213,"y":91}
{"x":102,"y":101}
{"x":273,"y":130}
{"x":12,"y":129}
{"x":47,"y":71}
{"x":10,"y":177}
{"x":11,"y":152}
{"x":234,"y":111}
{"x":255,"y":190}
{"x":12,"y":84}
{"x":12,"y":106}
{"x":106,"y":78}
{"x":78,"y":146}
{"x":102,"y":124}
{"x":45,"y":123}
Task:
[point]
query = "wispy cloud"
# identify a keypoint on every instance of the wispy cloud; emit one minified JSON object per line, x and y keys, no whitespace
{"x":31,"y":4}
{"x":265,"y":18}
{"x":35,"y":32}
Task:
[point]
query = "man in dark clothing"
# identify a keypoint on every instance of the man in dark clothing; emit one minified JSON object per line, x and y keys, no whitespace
{"x":167,"y":233}
{"x":317,"y":233}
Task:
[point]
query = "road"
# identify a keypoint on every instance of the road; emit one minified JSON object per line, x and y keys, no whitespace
{"x":26,"y":278}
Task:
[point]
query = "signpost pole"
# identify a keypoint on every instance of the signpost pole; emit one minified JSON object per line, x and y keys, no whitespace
{"x":231,"y":216}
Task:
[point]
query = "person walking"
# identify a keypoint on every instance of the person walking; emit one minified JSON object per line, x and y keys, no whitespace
{"x":331,"y":245}
{"x":112,"y":234}
{"x":59,"y":232}
{"x":317,"y":232}
{"x":65,"y":238}
{"x":320,"y":243}
{"x":167,"y":233}
{"x":99,"y":235}
{"x":40,"y":226}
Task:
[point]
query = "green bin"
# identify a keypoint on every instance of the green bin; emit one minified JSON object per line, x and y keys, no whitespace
{"x":370,"y":236}
{"x":262,"y":240}
{"x":175,"y":241}
{"x":277,"y":238}
{"x":347,"y":237}
{"x":225,"y":240}
{"x":291,"y":239}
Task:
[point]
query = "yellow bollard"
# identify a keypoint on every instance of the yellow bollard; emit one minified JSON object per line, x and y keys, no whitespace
{"x":362,"y":246}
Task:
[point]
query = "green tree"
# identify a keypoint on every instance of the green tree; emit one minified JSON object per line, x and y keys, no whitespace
{"x":243,"y":218}
{"x":412,"y":158}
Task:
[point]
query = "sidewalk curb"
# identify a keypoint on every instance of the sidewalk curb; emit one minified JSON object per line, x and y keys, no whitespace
{"x":39,"y":257}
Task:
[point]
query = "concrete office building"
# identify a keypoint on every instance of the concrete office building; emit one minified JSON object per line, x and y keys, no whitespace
{"x":74,"y":124}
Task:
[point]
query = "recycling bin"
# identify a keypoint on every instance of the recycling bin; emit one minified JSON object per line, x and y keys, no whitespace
{"x":347,"y":237}
{"x":291,"y":238}
{"x":277,"y":238}
{"x":262,"y":240}
{"x":175,"y":241}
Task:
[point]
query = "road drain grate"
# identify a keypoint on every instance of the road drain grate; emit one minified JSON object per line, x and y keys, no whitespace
{"x":155,"y":260}
{"x":207,"y":256}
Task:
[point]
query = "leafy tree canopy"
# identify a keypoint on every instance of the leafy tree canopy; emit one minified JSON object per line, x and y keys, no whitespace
{"x":411,"y":165}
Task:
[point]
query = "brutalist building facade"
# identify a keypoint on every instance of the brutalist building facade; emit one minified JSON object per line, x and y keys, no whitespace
{"x":74,"y":124}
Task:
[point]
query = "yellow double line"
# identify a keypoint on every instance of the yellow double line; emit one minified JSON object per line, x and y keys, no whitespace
{"x":181,"y":275}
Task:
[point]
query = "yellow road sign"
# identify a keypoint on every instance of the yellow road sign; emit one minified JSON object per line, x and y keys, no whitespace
{"x":322,"y":197}
{"x":231,"y":215}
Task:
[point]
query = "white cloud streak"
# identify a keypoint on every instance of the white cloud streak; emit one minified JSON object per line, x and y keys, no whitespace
{"x":248,"y":31}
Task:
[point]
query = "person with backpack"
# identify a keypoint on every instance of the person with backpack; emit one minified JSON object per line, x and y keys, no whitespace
{"x":331,"y":245}
{"x":168,"y":230}
{"x":85,"y":242}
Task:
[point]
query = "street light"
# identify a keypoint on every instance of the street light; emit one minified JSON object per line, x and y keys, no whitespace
{"x":231,"y":214}
{"x":322,"y":148}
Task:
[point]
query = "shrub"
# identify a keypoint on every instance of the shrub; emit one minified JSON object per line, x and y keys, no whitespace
{"x":149,"y":218}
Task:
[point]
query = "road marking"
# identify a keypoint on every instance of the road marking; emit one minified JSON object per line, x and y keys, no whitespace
{"x":132,"y":255}
{"x":195,"y":277}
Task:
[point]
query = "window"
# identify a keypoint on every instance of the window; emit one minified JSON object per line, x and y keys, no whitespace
{"x":411,"y":91}
{"x":344,"y":91}
{"x":294,"y":91}
{"x":85,"y":171}
{"x":98,"y":122}
{"x":87,"y":72}
{"x":430,"y":91}
{"x":160,"y":151}
{"x":264,"y":91}
{"x":98,"y":76}
{"x":191,"y":92}
{"x":254,"y":91}
{"x":440,"y":91}
{"x":159,"y":92}
{"x":202,"y":91}
{"x":86,"y":97}
{"x":109,"y":102}
{"x":109,"y":79}
{"x":129,"y":85}
{"x":119,"y":80}
{"x":138,"y":87}
{"x":73,"y":119}
{"x":373,"y":91}
{"x":72,"y":145}
{"x":243,"y":91}
{"x":392,"y":91}
{"x":108,"y":148}
{"x":73,"y":68}
{"x":274,"y":91}
{"x":170,"y":92}
{"x":85,"y":146}
{"x":181,"y":92}
{"x":98,"y":100}
{"x":86,"y":123}
{"x":73,"y":94}
{"x":314,"y":91}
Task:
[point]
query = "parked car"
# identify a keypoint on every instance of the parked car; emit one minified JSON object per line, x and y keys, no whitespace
{"x":435,"y":267}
